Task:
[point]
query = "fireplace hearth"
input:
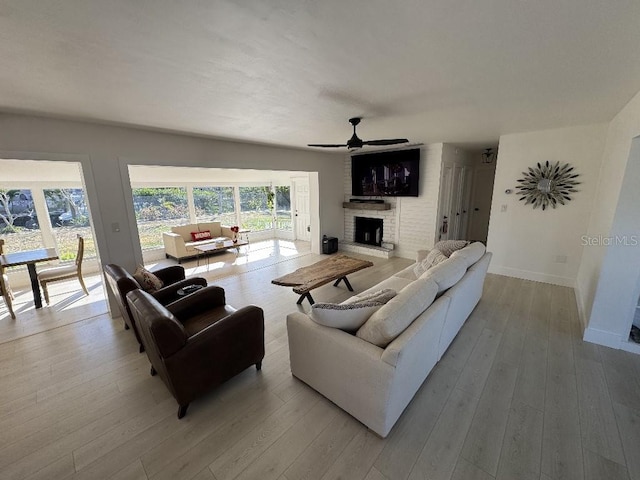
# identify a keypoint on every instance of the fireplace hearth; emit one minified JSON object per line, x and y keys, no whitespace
{"x":368,"y":231}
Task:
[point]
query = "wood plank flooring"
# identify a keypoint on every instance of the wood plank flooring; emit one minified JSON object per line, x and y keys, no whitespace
{"x":517,"y":396}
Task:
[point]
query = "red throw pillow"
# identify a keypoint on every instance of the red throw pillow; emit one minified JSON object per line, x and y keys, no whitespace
{"x":206,"y":235}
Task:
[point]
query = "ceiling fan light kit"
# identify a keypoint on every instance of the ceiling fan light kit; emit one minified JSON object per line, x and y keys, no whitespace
{"x":355,"y":142}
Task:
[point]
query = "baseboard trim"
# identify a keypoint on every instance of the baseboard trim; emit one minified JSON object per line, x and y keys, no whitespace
{"x":534,"y":276}
{"x":631,"y":347}
{"x":602,"y":337}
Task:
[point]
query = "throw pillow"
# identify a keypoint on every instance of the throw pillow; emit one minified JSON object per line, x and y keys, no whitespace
{"x":446,"y":274}
{"x":343,"y":316}
{"x":206,"y":235}
{"x":380,"y":296}
{"x":470,"y":254}
{"x":147,"y":280}
{"x":434,"y":257}
{"x":421,"y":267}
{"x":447,"y":247}
{"x":393,"y":318}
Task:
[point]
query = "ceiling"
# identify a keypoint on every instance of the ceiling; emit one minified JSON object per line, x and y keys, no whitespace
{"x":291,"y":72}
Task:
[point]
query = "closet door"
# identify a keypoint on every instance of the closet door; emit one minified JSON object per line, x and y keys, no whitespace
{"x":465,"y":209}
{"x":446,"y":190}
{"x":456,"y":201}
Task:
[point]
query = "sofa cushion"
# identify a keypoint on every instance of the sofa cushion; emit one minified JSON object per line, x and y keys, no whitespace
{"x":380,"y":296}
{"x":391,"y":283}
{"x":446,"y":274}
{"x":147,"y":280}
{"x":407,"y":273}
{"x":433,"y":258}
{"x":213,"y":227}
{"x":184,"y":231}
{"x":394,"y":317}
{"x":470,"y":254}
{"x":447,"y":247}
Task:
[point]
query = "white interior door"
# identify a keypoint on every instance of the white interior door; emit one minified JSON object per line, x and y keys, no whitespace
{"x":456,"y":202}
{"x":302,"y":217}
{"x":444,"y":224}
{"x":466,"y":203}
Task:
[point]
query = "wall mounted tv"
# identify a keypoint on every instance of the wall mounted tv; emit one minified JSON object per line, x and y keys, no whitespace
{"x":387,"y":174}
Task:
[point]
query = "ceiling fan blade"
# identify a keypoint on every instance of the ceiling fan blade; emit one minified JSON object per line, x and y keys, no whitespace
{"x":388,"y":141}
{"x":326,"y":145}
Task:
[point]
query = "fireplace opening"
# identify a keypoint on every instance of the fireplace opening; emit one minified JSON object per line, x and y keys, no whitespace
{"x":368,"y":231}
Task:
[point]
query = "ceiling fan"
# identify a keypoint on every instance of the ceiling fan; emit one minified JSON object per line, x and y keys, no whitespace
{"x":355,"y":142}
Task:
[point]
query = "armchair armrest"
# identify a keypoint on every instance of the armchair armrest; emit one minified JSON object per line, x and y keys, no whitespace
{"x":241,"y":322}
{"x":174,"y":244}
{"x":171,"y":274}
{"x":169,"y":294}
{"x":197,"y":302}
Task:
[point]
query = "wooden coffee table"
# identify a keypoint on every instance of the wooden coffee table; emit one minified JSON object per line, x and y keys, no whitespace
{"x":335,"y":268}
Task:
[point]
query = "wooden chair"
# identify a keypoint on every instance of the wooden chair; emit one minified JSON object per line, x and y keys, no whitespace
{"x":4,"y":275}
{"x":64,"y":272}
{"x":6,"y":293}
{"x":5,"y":288}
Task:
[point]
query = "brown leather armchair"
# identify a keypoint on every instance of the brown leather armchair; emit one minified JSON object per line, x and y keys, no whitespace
{"x":197,"y":342}
{"x":122,"y":282}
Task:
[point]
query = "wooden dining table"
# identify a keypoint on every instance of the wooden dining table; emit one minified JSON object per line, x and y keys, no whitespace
{"x":30,"y":258}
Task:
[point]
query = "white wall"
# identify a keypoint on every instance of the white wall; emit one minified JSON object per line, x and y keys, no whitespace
{"x":411,"y":223}
{"x":527,"y":243}
{"x":618,"y":286}
{"x":622,"y":129}
{"x":106,"y":151}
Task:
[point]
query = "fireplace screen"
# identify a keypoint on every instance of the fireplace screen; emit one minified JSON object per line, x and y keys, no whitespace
{"x":368,"y":231}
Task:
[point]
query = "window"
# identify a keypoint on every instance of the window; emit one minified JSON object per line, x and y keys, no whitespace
{"x":215,"y":203}
{"x":69,"y":217}
{"x":283,"y":208}
{"x":256,"y":204}
{"x":19,"y":225}
{"x":157,"y":210}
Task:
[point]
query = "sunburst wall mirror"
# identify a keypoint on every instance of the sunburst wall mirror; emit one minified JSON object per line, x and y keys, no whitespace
{"x":548,"y":184}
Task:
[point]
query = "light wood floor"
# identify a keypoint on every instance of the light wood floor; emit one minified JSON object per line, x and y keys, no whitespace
{"x":517,"y":396}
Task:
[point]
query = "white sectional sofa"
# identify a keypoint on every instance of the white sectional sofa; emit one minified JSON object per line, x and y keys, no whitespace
{"x":376,"y":383}
{"x":178,"y":243}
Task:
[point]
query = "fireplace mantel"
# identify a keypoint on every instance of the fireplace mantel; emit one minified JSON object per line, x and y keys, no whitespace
{"x":366,"y":206}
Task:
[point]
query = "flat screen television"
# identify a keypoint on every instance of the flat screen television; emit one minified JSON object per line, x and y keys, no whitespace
{"x":386,"y":174}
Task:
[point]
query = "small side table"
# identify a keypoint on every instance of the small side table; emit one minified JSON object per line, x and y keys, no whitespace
{"x":183,"y":292}
{"x":245,"y":232}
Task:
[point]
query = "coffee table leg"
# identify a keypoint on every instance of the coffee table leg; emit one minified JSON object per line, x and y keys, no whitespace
{"x":346,"y":282}
{"x":307,"y":296}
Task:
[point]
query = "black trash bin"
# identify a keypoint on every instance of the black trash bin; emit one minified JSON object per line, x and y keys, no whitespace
{"x":329,"y":244}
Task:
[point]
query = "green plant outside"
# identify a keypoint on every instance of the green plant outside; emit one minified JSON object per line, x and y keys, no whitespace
{"x":66,"y":239}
